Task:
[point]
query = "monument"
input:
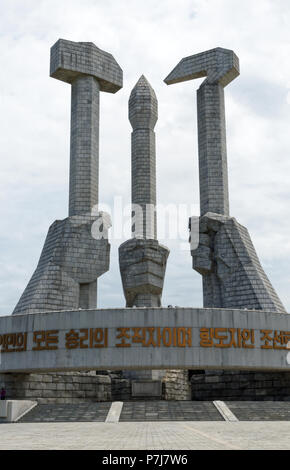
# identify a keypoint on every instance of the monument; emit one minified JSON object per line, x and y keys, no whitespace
{"x":231,"y":272}
{"x":72,"y":260}
{"x":58,"y":347}
{"x":142,"y":258}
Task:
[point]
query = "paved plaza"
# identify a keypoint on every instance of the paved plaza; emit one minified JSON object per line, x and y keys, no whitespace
{"x":158,"y":425}
{"x":146,"y":436}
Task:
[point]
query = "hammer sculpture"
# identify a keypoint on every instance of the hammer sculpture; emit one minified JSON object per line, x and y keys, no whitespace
{"x":72,"y":260}
{"x":89,"y":71}
{"x":232,"y":274}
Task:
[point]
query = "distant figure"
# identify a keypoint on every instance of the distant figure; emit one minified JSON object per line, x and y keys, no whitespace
{"x":3,"y":393}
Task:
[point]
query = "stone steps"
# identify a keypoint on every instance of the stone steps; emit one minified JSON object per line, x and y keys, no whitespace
{"x":143,"y":411}
{"x":131,"y":411}
{"x":260,"y":411}
{"x":169,"y":411}
{"x":67,"y":413}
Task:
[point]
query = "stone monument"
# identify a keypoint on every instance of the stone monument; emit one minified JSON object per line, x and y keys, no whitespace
{"x":142,"y":258}
{"x":231,"y":272}
{"x":62,"y":350}
{"x":72,"y":260}
{"x":226,"y":258}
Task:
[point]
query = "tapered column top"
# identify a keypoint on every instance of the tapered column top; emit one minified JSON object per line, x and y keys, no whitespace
{"x":143,"y":105}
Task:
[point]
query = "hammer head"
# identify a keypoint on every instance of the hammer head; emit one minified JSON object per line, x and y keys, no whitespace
{"x":218,"y":65}
{"x":69,"y":60}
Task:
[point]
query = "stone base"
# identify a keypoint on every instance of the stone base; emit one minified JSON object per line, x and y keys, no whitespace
{"x":208,"y":385}
{"x":78,"y":387}
{"x":61,"y":387}
{"x":175,"y":385}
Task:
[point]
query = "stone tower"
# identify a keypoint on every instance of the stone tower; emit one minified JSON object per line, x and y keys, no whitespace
{"x":72,"y":259}
{"x":143,"y":259}
{"x":226,"y":258}
{"x":231,"y":272}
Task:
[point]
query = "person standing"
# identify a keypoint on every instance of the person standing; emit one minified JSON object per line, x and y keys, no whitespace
{"x":3,"y":394}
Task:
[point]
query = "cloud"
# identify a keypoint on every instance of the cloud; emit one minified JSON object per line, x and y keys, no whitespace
{"x":145,"y":37}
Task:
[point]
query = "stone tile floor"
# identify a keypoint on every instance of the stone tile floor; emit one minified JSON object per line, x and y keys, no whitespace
{"x":152,"y":426}
{"x":146,"y":436}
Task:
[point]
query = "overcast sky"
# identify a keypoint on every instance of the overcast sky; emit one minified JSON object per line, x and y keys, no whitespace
{"x":146,"y":37}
